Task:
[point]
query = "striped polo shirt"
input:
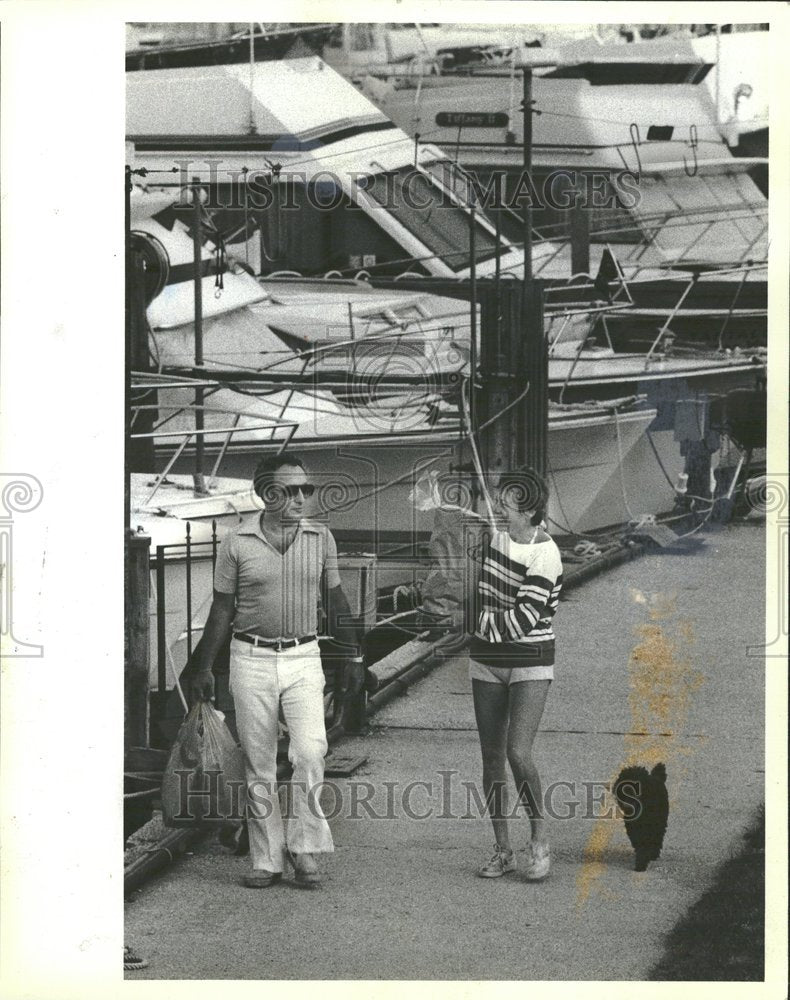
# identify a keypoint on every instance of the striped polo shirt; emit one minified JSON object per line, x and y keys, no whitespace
{"x":277,"y":594}
{"x":518,"y":595}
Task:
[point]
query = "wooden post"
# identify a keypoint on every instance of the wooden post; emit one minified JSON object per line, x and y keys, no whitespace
{"x":140,"y":451}
{"x":580,"y":236}
{"x":513,"y":353}
{"x":136,"y":647}
{"x":140,"y":358}
{"x":500,"y":323}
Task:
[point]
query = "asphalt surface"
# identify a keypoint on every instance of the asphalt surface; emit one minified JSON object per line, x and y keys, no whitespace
{"x":653,"y":664}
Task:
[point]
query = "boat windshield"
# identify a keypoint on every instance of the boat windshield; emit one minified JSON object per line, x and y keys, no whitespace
{"x":717,"y":217}
{"x":430,"y":215}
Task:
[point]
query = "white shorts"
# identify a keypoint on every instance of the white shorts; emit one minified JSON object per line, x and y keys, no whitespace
{"x":509,"y":675}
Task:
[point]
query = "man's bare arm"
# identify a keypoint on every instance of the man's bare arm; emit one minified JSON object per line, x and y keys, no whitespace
{"x":223,"y":608}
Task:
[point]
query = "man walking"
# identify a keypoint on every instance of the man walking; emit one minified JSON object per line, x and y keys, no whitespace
{"x":267,"y":584}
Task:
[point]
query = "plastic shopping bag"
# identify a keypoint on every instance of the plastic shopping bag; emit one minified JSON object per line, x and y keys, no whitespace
{"x":456,"y":548}
{"x":204,"y":781}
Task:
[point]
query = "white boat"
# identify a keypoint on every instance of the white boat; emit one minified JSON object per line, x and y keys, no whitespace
{"x":409,"y":52}
{"x":732,"y":64}
{"x":329,"y":185}
{"x":693,"y":248}
{"x":659,"y":133}
{"x":731,"y":60}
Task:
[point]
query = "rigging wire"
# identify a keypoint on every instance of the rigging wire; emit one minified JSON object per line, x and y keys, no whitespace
{"x":470,"y":436}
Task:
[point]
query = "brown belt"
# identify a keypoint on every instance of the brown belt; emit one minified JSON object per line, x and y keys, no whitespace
{"x":276,"y":644}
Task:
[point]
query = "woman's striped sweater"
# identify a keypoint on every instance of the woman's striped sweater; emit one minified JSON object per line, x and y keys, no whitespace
{"x":519,"y":592}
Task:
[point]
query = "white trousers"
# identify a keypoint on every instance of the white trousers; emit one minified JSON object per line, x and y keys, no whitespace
{"x":261,"y":680}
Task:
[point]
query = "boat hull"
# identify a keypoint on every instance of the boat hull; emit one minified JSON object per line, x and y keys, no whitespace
{"x":363,"y":488}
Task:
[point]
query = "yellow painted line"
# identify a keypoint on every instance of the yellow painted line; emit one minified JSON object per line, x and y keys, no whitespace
{"x":662,"y":684}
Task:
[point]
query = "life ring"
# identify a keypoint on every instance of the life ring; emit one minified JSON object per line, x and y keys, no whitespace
{"x":156,"y":262}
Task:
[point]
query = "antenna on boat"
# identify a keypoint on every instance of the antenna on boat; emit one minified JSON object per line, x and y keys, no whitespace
{"x":420,"y":35}
{"x":251,"y":127}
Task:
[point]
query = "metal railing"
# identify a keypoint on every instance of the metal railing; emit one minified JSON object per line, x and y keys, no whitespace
{"x":177,"y":553}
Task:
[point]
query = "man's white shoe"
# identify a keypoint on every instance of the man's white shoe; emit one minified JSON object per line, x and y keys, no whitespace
{"x":305,"y":871}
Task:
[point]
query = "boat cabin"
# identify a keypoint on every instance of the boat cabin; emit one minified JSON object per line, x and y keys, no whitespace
{"x":297,"y":183}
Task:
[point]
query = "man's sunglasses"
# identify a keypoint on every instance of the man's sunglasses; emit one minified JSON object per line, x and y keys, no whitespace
{"x":289,"y":492}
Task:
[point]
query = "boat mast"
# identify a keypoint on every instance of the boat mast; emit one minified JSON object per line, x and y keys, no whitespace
{"x":127,"y":194}
{"x":197,"y":245}
{"x":527,"y":154}
{"x":718,"y":73}
{"x":472,"y":313}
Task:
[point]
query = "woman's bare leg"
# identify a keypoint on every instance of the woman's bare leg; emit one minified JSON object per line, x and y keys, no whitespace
{"x":527,"y":701}
{"x":491,"y":711}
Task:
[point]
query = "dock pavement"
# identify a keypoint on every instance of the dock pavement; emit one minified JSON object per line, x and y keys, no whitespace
{"x":657,"y":660}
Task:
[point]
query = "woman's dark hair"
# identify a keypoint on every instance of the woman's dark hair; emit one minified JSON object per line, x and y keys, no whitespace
{"x":530,"y":489}
{"x":264,"y":473}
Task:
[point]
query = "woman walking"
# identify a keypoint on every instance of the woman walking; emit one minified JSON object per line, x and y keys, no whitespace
{"x":512,"y":662}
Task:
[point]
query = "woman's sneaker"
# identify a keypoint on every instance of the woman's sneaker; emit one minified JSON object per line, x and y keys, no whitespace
{"x":538,"y":862}
{"x":500,"y":863}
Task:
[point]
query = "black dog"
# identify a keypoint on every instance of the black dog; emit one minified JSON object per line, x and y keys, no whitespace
{"x":642,"y":796}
